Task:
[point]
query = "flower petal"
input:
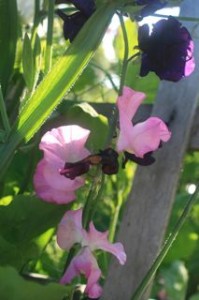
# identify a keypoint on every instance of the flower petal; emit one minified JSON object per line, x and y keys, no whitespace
{"x":167,"y":51}
{"x":85,"y":263}
{"x":53,"y":187}
{"x":70,"y":229}
{"x":128,"y":103}
{"x":65,"y":143}
{"x":146,"y":136}
{"x":99,"y":240}
{"x":60,"y":145}
{"x":143,"y":137}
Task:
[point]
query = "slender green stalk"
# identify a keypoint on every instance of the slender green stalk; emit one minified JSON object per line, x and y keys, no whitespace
{"x":149,"y":276}
{"x":94,"y":196}
{"x":4,"y":115}
{"x":114,"y":117}
{"x":133,"y":56}
{"x":115,"y":217}
{"x":48,"y":54}
{"x":108,"y":75}
{"x":126,"y":53}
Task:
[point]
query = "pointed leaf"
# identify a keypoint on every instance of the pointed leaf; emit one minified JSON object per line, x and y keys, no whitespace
{"x":8,"y":39}
{"x":28,"y":63}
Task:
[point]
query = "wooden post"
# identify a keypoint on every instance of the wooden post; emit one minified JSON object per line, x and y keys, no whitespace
{"x":149,"y":205}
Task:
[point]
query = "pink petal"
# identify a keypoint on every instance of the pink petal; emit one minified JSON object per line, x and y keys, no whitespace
{"x":99,"y":240}
{"x":53,"y":187}
{"x":143,"y":137}
{"x":128,"y":103}
{"x":146,"y":136}
{"x":60,"y":145}
{"x":70,"y":229}
{"x":85,"y":263}
{"x":190,"y":63}
{"x":65,"y":143}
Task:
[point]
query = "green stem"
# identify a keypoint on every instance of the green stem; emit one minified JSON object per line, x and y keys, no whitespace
{"x":48,"y":54}
{"x":115,"y":217}
{"x":94,"y":196}
{"x":114,"y":117}
{"x":168,"y":243}
{"x":4,"y":115}
{"x":126,"y":53}
{"x":133,"y":56}
{"x":108,"y":75}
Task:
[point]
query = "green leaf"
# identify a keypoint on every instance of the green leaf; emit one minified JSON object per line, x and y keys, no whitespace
{"x":14,"y":287}
{"x":8,"y":39}
{"x":28,"y":63}
{"x":85,"y":116}
{"x":59,"y":81}
{"x":26,"y":225}
{"x":37,"y":53}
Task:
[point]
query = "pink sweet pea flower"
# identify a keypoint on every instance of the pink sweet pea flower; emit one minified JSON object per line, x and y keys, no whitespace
{"x":70,"y":231}
{"x":143,"y":137}
{"x":60,"y":145}
{"x":85,"y":263}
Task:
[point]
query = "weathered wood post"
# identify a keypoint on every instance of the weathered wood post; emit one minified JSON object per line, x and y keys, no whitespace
{"x":148,"y":208}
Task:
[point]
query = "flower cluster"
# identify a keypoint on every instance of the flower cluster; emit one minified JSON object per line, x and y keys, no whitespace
{"x":60,"y":173}
{"x":66,"y":159}
{"x":167,"y":51}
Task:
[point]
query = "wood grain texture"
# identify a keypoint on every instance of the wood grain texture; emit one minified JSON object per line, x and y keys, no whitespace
{"x":148,"y":208}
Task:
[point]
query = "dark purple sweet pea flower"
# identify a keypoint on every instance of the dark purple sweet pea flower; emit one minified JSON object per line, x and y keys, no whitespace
{"x":150,"y":7}
{"x":167,"y":51}
{"x":74,"y":22}
{"x":108,"y":159}
{"x":147,"y":159}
